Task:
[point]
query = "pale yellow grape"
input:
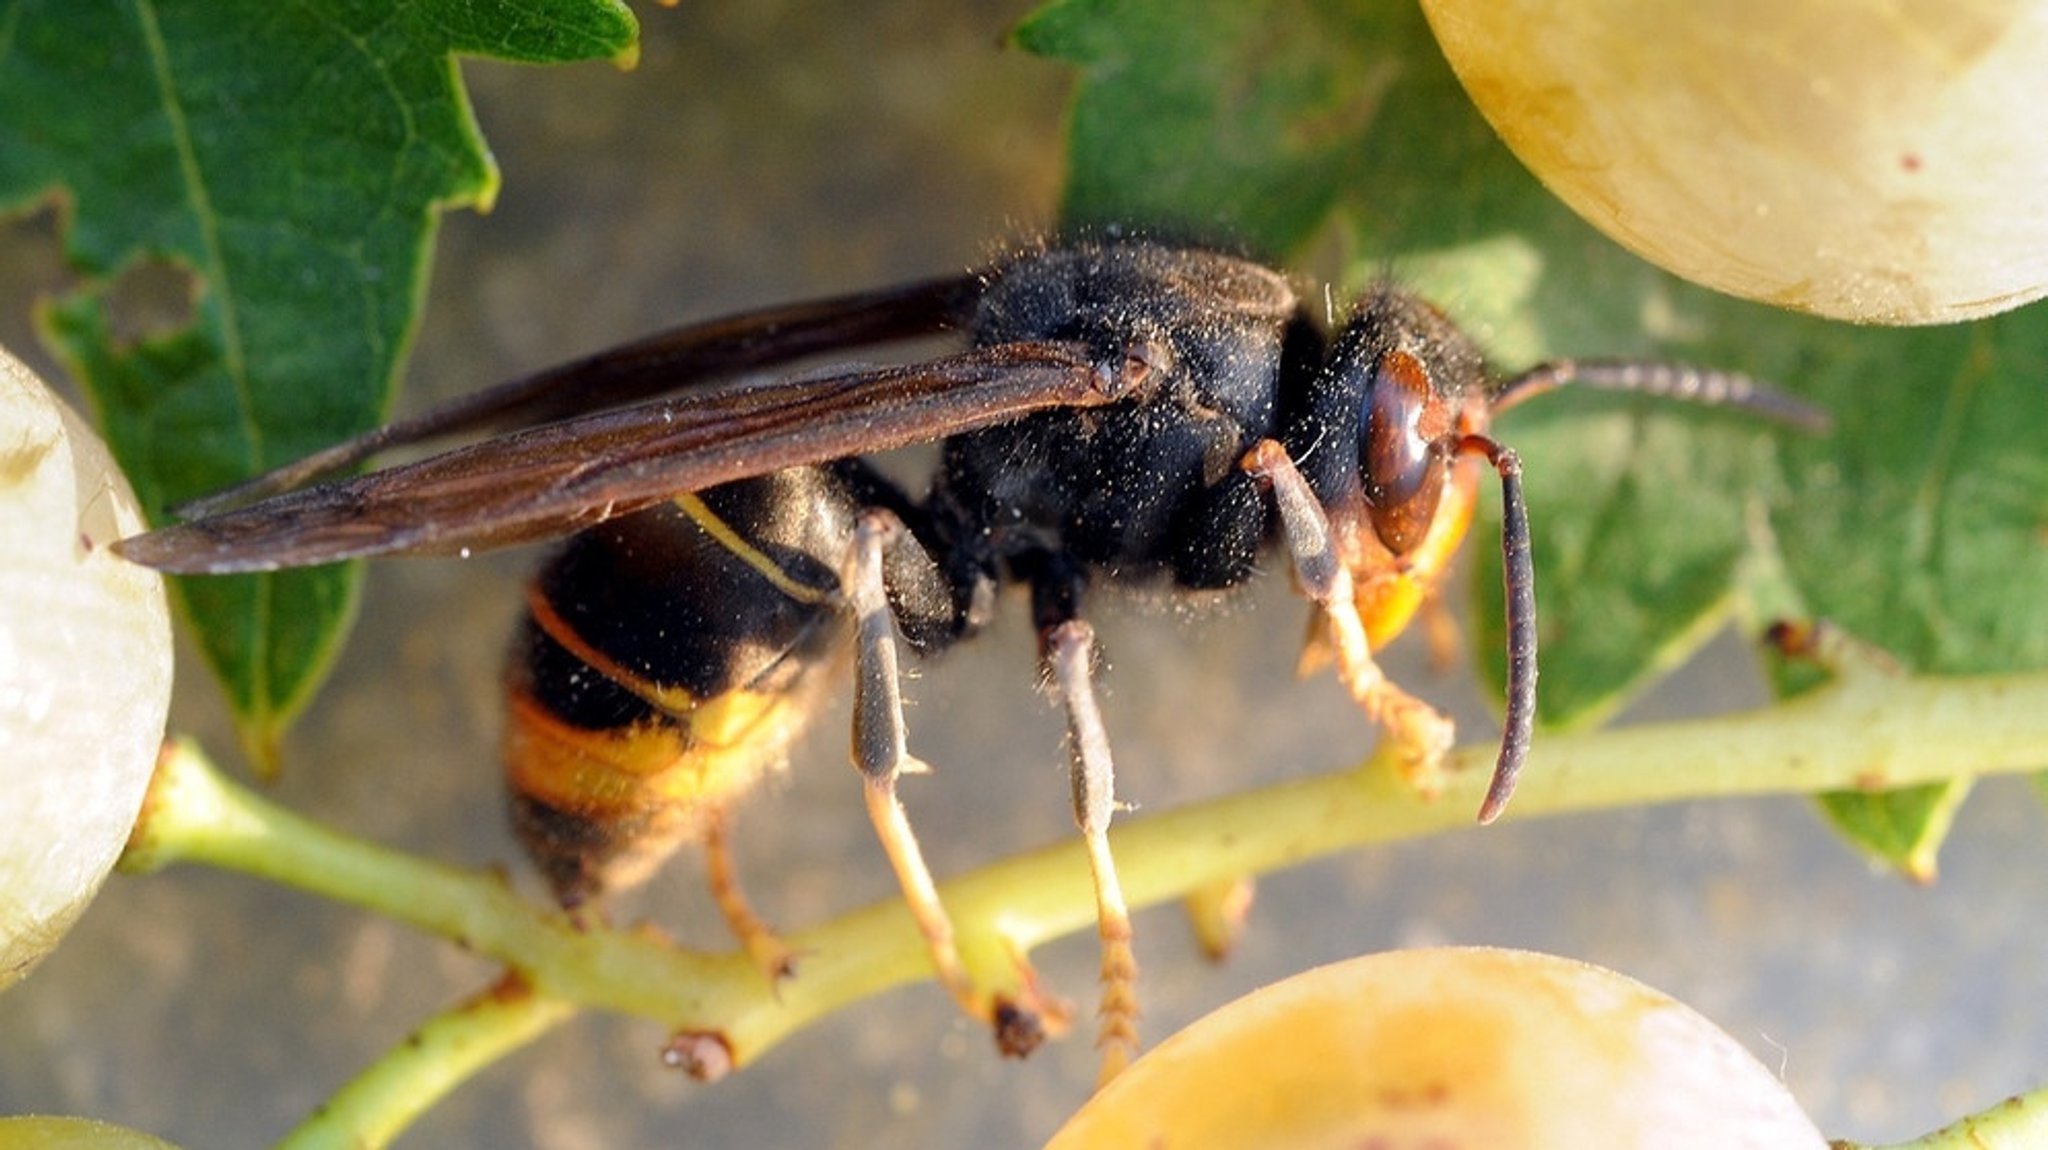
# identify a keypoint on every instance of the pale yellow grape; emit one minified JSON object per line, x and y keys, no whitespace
{"x":85,"y":668}
{"x":1884,"y":163}
{"x":1447,"y":1049}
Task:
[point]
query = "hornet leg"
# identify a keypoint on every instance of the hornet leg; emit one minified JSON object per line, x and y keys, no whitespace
{"x":880,"y":753}
{"x":1070,"y":653}
{"x":1422,"y":736}
{"x":775,"y":960}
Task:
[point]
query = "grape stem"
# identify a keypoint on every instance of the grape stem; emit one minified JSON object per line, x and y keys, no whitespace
{"x":381,"y":1102}
{"x":1870,"y":728}
{"x":2017,"y":1123}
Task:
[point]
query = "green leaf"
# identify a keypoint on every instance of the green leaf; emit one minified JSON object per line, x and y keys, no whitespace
{"x":292,"y":159}
{"x":1277,"y":111}
{"x":1903,"y":828}
{"x":1922,"y":523}
{"x":1917,"y":524}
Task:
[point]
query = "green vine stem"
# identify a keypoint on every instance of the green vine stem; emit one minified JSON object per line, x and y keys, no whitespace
{"x":2018,"y":1123}
{"x":382,"y":1101}
{"x":1871,"y":727}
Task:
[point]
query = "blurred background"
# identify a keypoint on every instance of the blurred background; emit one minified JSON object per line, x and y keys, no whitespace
{"x":768,"y":152}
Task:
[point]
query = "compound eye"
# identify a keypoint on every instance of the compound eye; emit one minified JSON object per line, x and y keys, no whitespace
{"x":1401,"y":460}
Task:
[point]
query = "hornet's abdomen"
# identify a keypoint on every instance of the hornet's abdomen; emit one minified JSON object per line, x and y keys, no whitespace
{"x":667,"y":660}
